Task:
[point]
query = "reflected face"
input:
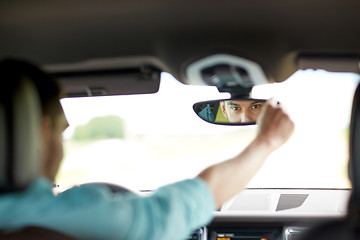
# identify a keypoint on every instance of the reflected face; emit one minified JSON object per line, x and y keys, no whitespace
{"x":241,"y":111}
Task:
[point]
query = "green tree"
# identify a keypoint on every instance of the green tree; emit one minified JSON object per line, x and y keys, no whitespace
{"x":100,"y":128}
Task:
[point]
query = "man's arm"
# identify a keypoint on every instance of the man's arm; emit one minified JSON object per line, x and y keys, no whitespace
{"x":228,"y":178}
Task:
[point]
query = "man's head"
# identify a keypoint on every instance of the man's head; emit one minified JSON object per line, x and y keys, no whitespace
{"x":53,"y":121}
{"x":241,"y":111}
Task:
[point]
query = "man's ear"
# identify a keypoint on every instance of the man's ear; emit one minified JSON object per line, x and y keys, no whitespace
{"x":45,"y":125}
{"x":222,"y":105}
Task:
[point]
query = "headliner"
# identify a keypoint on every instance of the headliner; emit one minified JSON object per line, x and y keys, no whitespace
{"x":175,"y":32}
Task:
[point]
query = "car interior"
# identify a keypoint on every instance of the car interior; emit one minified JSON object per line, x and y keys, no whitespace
{"x":162,"y":80}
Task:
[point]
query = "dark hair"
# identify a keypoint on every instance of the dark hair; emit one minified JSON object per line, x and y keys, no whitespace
{"x":13,"y":70}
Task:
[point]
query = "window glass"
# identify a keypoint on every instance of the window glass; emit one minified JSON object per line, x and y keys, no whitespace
{"x":146,"y":141}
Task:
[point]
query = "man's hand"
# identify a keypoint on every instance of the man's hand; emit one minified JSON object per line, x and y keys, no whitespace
{"x":274,"y":125}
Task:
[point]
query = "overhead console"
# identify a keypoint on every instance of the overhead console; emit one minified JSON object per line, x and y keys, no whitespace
{"x":227,"y":72}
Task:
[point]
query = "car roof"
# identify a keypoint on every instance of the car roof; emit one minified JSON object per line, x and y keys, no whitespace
{"x":281,"y":35}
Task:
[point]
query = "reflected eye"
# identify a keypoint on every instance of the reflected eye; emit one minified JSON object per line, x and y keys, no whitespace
{"x":256,"y":106}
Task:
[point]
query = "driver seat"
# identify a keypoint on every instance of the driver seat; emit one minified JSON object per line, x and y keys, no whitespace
{"x":20,"y":143}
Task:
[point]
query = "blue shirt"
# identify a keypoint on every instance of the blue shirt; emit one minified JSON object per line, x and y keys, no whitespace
{"x":93,"y":212}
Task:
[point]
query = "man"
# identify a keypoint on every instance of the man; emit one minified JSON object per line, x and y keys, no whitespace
{"x":171,"y":212}
{"x":241,"y":111}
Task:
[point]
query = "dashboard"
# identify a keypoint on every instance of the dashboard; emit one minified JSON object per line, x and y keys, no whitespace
{"x":257,"y":229}
{"x":274,"y":214}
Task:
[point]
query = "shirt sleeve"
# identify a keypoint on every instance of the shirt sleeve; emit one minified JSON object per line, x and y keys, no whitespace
{"x":171,"y":212}
{"x":94,"y":212}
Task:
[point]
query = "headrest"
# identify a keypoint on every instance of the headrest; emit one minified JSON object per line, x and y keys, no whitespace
{"x":20,"y":135}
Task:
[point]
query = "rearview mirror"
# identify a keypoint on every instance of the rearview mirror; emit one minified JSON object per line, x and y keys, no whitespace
{"x":230,"y":111}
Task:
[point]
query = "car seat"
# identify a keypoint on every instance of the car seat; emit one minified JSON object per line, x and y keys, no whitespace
{"x":347,"y":228}
{"x":19,"y":147}
{"x":19,"y":140}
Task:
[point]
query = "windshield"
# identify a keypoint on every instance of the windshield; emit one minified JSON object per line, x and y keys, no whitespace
{"x":146,"y":141}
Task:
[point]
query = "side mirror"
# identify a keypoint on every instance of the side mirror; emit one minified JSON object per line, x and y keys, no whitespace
{"x":237,"y":111}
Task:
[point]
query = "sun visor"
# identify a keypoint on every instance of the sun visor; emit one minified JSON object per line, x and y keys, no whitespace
{"x":331,"y":63}
{"x":90,"y":79}
{"x":110,"y":82}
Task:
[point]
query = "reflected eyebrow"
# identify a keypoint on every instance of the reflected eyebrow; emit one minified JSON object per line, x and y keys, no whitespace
{"x":233,"y":103}
{"x":257,"y":102}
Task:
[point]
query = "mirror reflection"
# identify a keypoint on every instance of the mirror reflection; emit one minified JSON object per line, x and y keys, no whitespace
{"x":230,"y":111}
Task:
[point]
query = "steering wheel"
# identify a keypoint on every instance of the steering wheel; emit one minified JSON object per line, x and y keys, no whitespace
{"x":114,"y":188}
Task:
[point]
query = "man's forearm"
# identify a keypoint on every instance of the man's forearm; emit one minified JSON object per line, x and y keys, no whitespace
{"x":228,"y":178}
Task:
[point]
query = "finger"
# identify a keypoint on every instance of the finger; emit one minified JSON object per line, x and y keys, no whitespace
{"x":277,"y":104}
{"x":284,"y":107}
{"x":266,"y":111}
{"x":273,"y":101}
{"x":288,"y":125}
{"x":277,"y":114}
